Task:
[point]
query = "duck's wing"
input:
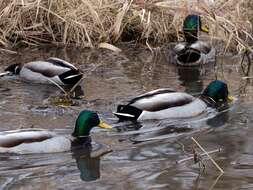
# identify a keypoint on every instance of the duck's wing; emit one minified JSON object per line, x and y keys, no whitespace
{"x":201,"y":46}
{"x":180,"y":47}
{"x":47,"y":68}
{"x":152,"y":93}
{"x":155,"y":101}
{"x":61,"y":63}
{"x":135,"y":106}
{"x":16,"y":137}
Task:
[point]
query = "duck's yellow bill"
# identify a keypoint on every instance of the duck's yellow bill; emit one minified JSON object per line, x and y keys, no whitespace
{"x":230,"y":98}
{"x":204,"y":29}
{"x":104,"y":125}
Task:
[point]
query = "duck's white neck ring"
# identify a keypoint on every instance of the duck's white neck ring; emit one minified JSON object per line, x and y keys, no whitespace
{"x":84,"y":136}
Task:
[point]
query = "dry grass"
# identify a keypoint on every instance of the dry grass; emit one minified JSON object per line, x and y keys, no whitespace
{"x":87,"y":23}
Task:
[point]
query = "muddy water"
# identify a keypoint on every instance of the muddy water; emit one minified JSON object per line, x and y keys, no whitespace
{"x":144,"y":154}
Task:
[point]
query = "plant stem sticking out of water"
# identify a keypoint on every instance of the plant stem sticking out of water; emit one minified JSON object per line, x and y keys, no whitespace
{"x":192,"y":157}
{"x":216,"y":181}
{"x":64,"y":101}
{"x":198,"y":157}
{"x":74,"y":87}
{"x":206,"y":153}
{"x":58,"y":86}
{"x":64,"y":91}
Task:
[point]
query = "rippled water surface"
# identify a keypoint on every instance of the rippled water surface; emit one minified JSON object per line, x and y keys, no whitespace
{"x":143,"y":154}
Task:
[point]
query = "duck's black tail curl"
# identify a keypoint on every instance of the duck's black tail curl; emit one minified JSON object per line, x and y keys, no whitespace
{"x":127,"y":112}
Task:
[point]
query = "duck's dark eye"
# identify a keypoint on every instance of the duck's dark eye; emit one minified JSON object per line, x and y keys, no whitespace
{"x":94,"y":120}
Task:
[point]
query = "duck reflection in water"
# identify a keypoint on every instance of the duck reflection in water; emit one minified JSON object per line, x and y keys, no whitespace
{"x":219,"y":120}
{"x":88,"y":160}
{"x":190,"y":77}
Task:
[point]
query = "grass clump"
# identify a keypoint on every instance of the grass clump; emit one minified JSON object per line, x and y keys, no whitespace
{"x":87,"y":23}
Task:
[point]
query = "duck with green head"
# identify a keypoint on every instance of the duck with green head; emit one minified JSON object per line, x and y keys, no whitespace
{"x":193,"y":51}
{"x":167,"y":103}
{"x":26,"y":141}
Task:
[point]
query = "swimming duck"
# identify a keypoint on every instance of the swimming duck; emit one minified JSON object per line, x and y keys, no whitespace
{"x":167,"y":103}
{"x":26,"y":141}
{"x":52,"y":70}
{"x":193,"y":51}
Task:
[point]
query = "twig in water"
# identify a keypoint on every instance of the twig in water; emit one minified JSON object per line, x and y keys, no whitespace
{"x":74,"y":87}
{"x":64,"y":91}
{"x":217,"y":166}
{"x":182,"y":146}
{"x":197,"y":159}
{"x":215,"y":182}
{"x":192,"y":157}
{"x":58,"y":86}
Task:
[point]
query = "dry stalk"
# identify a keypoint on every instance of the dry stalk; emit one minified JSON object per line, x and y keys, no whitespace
{"x":74,"y":87}
{"x":206,"y":153}
{"x":216,"y":181}
{"x":192,"y":157}
{"x":66,"y":93}
{"x":88,"y":23}
{"x":109,"y":46}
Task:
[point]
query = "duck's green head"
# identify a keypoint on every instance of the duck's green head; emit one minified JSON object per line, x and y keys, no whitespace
{"x":85,"y":121}
{"x":191,"y":26}
{"x":218,"y":91}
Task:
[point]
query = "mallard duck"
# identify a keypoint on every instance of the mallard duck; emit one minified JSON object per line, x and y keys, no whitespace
{"x":26,"y":141}
{"x":52,"y":70}
{"x":167,"y":103}
{"x":193,"y":51}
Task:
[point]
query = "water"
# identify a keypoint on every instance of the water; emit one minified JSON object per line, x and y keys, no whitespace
{"x":144,"y":154}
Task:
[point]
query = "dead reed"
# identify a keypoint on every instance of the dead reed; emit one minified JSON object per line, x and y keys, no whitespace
{"x":87,"y":23}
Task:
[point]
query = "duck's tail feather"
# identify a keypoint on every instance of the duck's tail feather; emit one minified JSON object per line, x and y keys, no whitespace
{"x":127,"y":112}
{"x":71,"y":77}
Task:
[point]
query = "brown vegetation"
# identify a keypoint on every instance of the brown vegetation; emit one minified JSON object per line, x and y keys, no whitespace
{"x":87,"y":23}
